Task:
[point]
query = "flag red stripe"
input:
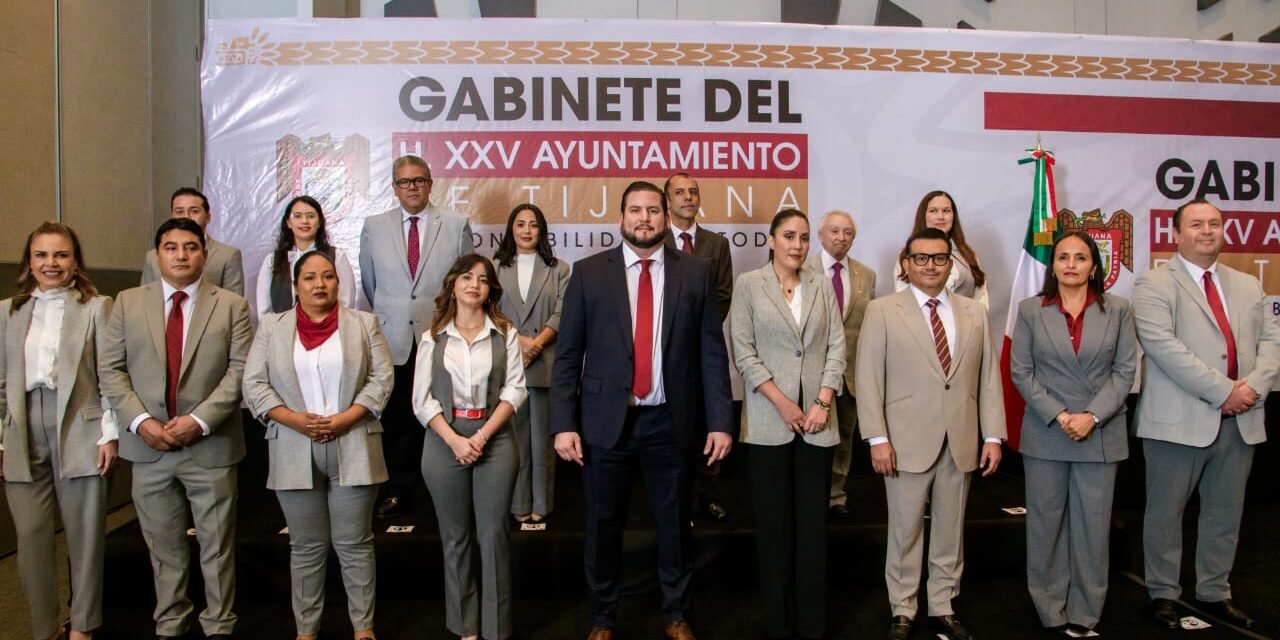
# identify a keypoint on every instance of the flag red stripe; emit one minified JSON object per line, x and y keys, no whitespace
{"x":1120,"y":114}
{"x":1013,"y":402}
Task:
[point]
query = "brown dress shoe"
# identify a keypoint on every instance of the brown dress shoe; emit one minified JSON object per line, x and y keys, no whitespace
{"x":678,"y":630}
{"x":600,"y":633}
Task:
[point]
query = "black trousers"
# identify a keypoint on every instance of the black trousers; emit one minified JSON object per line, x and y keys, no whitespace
{"x":789,"y":486}
{"x":649,"y":443}
{"x":402,"y":433}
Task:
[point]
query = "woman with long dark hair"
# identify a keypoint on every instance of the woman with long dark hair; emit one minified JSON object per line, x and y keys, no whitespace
{"x":535,"y":281}
{"x":468,"y":383}
{"x":58,"y":433}
{"x":302,"y":230}
{"x":1074,"y":357}
{"x":937,"y":210}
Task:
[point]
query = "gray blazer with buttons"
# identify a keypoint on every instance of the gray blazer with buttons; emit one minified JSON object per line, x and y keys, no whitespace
{"x":801,"y":358}
{"x":541,"y":309}
{"x":80,"y":399}
{"x":1052,"y":378}
{"x":270,"y":380}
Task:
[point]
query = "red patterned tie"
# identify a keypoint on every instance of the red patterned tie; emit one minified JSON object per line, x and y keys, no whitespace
{"x":412,"y":246}
{"x":1220,"y":314}
{"x":642,"y":379}
{"x":939,"y":337}
{"x":686,"y":243}
{"x":173,"y":352}
{"x":838,"y":284}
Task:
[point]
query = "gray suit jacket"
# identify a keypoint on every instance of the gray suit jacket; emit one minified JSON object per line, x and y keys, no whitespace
{"x":80,"y":401}
{"x":904,"y":396}
{"x":862,"y":285}
{"x":132,"y":369}
{"x":800,"y":359}
{"x":224,"y":267}
{"x":270,"y":380}
{"x":1184,"y":380}
{"x":542,"y":309}
{"x":404,"y":305}
{"x":1053,"y":378}
{"x":713,"y":248}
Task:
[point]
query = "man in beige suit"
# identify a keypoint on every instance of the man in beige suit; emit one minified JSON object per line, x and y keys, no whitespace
{"x":1211,"y":348}
{"x":223,"y":265}
{"x":171,"y":367}
{"x":854,"y":285}
{"x":928,"y":390}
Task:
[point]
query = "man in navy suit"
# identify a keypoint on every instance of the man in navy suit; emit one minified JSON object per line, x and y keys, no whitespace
{"x":640,"y":367}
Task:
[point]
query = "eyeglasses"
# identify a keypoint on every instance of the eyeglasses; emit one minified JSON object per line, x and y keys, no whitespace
{"x":921,"y":259}
{"x":405,"y":183}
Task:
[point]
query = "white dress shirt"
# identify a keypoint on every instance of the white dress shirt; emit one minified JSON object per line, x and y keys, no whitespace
{"x":44,"y":338}
{"x":319,"y":374}
{"x":828,"y":265}
{"x":468,"y":366}
{"x":797,"y":302}
{"x":348,"y":294}
{"x":693,"y":236}
{"x":188,"y":306}
{"x":524,"y":272}
{"x":423,"y":219}
{"x":657,"y":275}
{"x":1197,"y":276}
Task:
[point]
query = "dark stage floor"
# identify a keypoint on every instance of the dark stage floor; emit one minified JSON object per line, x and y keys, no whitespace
{"x":550,"y":601}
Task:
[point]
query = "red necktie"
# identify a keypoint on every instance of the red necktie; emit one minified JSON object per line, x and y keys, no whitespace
{"x":838,"y":284}
{"x":686,"y":242}
{"x":1220,"y":314}
{"x":642,"y":379}
{"x":413,"y":249}
{"x":939,"y":336}
{"x":173,"y":352}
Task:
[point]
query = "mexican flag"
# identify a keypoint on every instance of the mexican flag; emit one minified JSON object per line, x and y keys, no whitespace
{"x":1029,"y":278}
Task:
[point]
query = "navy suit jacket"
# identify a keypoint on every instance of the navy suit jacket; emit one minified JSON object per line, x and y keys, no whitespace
{"x":591,"y":375}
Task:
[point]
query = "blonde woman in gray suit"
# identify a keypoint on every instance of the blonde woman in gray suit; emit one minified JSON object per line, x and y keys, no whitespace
{"x":58,"y":435}
{"x":1074,"y":358}
{"x":535,"y":280}
{"x":788,"y":343}
{"x":318,"y":376}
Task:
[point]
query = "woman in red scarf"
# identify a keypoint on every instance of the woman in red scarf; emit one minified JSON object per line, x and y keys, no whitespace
{"x":318,"y":376}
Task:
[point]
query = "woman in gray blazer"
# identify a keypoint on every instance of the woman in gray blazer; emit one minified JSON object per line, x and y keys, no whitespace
{"x":1074,"y":357}
{"x":58,"y":435}
{"x":788,"y":343}
{"x":318,"y":376}
{"x":534,"y":281}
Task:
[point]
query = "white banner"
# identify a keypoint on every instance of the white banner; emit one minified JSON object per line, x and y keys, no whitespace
{"x":564,"y":113}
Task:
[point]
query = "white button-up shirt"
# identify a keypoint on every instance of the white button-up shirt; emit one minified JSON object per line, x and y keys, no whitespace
{"x":468,"y":366}
{"x":1197,"y":276}
{"x":657,"y":275}
{"x":188,"y":306}
{"x":405,"y":219}
{"x":319,"y":374}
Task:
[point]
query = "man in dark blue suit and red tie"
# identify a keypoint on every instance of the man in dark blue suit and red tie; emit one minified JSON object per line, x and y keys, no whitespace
{"x":640,"y":368}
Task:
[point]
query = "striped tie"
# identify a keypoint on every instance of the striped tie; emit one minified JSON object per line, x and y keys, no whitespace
{"x":939,"y":336}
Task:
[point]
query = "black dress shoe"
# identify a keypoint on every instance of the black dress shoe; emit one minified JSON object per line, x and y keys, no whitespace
{"x":899,"y":628}
{"x":1227,"y":612}
{"x":838,"y":511}
{"x":716,"y":511}
{"x":391,"y":507}
{"x":950,"y":627}
{"x":1166,"y":613}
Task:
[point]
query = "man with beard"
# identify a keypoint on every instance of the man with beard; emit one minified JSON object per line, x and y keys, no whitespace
{"x":640,"y":368}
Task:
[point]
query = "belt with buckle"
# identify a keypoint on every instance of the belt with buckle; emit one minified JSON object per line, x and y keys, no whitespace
{"x":469,"y":414}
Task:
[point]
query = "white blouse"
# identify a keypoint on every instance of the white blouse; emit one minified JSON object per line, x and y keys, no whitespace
{"x":348,"y":294}
{"x":468,"y":366}
{"x":797,"y":303}
{"x":524,"y":272}
{"x":320,"y":374}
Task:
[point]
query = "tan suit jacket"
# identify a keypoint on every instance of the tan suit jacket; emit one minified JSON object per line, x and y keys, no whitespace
{"x":132,"y":369}
{"x":862,"y":288}
{"x":80,"y":401}
{"x":271,"y":380}
{"x":904,"y":396}
{"x":224,"y":267}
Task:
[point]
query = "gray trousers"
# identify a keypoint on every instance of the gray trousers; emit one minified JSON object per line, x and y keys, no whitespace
{"x":472,"y":503}
{"x":945,"y":488}
{"x":847,"y":422}
{"x":536,"y":478}
{"x":35,"y":507}
{"x":162,"y":492}
{"x":1220,"y":472}
{"x":330,"y":514}
{"x":1068,"y":533}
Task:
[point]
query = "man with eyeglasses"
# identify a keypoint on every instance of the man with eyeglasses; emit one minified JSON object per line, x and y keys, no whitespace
{"x":224,"y":267}
{"x":404,"y":255}
{"x":921,"y":410}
